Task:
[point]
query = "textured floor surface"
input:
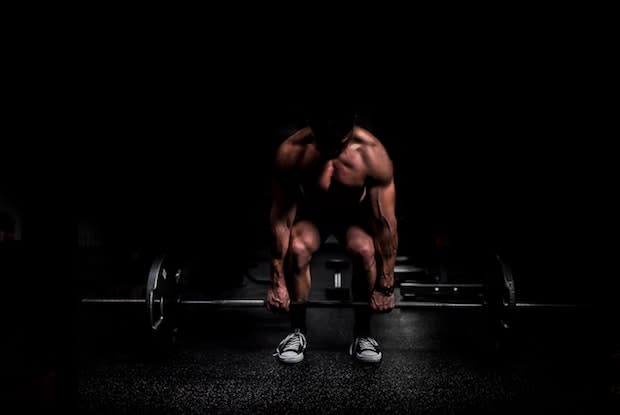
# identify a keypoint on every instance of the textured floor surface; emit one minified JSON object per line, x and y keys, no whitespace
{"x":435,"y":361}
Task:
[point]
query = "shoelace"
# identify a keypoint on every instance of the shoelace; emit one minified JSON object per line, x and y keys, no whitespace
{"x":367,"y":343}
{"x":291,"y":342}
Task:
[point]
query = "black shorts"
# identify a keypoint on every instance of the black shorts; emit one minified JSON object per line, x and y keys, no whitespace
{"x":336,"y":221}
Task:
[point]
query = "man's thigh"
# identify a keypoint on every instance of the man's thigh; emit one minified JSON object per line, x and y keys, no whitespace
{"x":306,"y":234}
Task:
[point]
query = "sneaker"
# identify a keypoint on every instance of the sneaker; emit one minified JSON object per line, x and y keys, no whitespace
{"x":365,"y":349}
{"x":291,"y":348}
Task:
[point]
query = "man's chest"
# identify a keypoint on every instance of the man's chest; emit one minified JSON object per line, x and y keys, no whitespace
{"x":335,"y":184}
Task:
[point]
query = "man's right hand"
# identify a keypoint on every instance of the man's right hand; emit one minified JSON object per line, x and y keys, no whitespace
{"x":278,"y":298}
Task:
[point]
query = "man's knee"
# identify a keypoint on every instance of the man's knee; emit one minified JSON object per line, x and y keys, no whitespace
{"x":362,"y":250}
{"x":301,"y":252}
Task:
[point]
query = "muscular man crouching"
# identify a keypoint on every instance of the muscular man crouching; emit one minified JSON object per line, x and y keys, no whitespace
{"x":332,"y":177}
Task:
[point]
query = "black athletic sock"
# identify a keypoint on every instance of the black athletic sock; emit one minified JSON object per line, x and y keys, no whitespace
{"x":298,"y":317}
{"x":361,"y":326}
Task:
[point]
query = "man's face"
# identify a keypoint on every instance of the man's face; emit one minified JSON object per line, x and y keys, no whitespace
{"x":330,"y":134}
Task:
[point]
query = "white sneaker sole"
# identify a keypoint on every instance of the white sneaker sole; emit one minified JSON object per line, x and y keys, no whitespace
{"x":366,"y":359}
{"x":290,"y":360}
{"x":369,"y":359}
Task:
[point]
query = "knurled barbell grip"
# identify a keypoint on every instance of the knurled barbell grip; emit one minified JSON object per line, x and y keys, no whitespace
{"x":257,"y":303}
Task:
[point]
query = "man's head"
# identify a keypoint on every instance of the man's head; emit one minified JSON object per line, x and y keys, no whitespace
{"x":331,"y":125}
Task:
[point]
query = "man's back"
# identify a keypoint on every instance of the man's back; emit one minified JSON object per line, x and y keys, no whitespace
{"x":336,"y":180}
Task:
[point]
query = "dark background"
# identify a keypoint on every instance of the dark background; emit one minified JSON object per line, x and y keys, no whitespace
{"x":522,"y":158}
{"x":160,"y":150}
{"x":512,"y":151}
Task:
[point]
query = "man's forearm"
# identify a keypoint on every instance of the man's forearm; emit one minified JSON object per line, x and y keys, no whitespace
{"x":384,"y":224}
{"x":279,"y":245}
{"x":277,"y":272}
{"x":386,"y":248}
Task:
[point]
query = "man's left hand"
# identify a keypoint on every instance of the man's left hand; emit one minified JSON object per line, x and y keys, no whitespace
{"x":381,"y":302}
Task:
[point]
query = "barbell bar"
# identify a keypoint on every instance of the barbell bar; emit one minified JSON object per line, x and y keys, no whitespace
{"x":257,"y":303}
{"x":163,"y":296}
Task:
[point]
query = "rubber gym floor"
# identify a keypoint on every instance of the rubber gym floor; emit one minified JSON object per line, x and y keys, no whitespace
{"x":435,"y":361}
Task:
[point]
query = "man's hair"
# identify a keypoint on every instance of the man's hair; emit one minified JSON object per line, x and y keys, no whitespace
{"x":331,"y":121}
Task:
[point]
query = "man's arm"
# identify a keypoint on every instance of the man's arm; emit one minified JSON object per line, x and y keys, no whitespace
{"x":382,"y":193}
{"x":282,"y":214}
{"x":383,"y":200}
{"x":281,"y":217}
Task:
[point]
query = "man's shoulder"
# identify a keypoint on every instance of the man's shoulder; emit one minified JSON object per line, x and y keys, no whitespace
{"x":367,"y":138}
{"x":375,"y":155}
{"x":291,"y":151}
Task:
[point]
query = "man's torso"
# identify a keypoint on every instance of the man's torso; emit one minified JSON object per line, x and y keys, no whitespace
{"x":332,"y":189}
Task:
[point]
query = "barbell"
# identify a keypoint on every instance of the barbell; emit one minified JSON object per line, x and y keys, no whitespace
{"x":164,"y":295}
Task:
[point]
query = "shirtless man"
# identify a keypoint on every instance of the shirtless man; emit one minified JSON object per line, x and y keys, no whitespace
{"x":332,"y":177}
